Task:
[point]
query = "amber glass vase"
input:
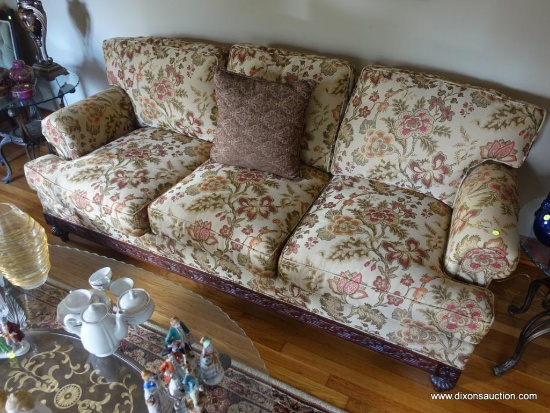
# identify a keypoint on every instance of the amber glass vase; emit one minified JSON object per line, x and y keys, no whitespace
{"x":24,"y":254}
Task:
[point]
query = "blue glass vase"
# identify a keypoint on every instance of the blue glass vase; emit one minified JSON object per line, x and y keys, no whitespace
{"x":541,"y":225}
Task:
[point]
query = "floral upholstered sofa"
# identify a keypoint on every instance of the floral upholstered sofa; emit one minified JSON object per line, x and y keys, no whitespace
{"x":404,"y":209}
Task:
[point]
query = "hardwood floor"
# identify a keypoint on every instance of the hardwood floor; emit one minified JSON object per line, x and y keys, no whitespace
{"x":349,"y":376}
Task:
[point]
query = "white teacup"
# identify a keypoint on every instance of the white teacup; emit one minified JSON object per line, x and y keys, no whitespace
{"x":77,"y":300}
{"x":101,"y":279}
{"x":120,"y":286}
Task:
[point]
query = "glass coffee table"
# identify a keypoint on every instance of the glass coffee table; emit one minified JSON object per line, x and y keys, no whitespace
{"x":77,"y":381}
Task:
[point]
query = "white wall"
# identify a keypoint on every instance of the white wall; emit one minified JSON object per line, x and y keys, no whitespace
{"x":498,"y":43}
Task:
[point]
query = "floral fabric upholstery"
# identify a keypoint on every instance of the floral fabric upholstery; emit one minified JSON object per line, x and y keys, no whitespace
{"x":236,"y":219}
{"x":424,"y":133}
{"x":86,"y":125}
{"x":421,"y":208}
{"x":334,"y":78}
{"x":483,"y":238}
{"x":114,"y":184}
{"x":169,"y":81}
{"x":368,"y":255}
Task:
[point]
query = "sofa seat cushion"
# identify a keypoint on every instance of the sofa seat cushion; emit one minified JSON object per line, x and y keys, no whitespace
{"x":236,"y":219}
{"x":334,"y":79}
{"x":114,"y":184}
{"x":423,"y":132}
{"x":369,"y":255}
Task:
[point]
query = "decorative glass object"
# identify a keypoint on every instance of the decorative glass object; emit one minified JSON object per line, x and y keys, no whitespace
{"x":24,"y":255}
{"x":20,"y":73}
{"x":541,"y":225}
{"x":23,"y":91}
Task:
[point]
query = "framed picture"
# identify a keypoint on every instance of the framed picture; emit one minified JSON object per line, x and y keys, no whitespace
{"x":9,"y":46}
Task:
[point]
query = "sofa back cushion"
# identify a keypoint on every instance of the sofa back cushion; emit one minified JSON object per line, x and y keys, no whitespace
{"x":424,"y":133}
{"x":170,"y":81}
{"x":334,"y":80}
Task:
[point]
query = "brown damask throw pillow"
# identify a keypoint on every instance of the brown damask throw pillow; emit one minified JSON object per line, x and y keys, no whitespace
{"x":260,"y":123}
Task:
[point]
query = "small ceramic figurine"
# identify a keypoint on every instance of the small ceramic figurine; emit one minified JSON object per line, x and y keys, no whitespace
{"x":11,"y":340}
{"x":174,"y":347}
{"x":211,"y":369}
{"x":172,"y":373}
{"x":156,"y":398}
{"x":22,"y":401}
{"x":191,"y":386}
{"x":166,"y":368}
{"x":179,"y":333}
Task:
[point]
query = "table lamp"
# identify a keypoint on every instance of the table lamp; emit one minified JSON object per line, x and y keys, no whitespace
{"x":33,"y":19}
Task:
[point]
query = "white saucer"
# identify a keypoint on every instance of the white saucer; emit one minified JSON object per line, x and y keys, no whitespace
{"x":97,"y":297}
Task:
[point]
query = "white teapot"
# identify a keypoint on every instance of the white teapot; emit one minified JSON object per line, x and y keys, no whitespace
{"x":101,"y":332}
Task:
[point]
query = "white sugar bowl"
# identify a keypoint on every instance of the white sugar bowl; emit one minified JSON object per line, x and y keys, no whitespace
{"x":137,"y":306}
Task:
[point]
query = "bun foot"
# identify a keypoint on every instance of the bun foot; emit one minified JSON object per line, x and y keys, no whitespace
{"x":440,"y":384}
{"x":61,"y":233}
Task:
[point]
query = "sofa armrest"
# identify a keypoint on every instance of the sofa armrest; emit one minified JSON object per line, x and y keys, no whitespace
{"x":483,"y":239}
{"x":88,"y":124}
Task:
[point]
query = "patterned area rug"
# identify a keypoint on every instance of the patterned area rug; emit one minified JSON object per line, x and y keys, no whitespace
{"x":114,"y":384}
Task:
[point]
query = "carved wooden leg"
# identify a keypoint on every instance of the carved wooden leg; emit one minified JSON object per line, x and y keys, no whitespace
{"x":440,"y":384}
{"x":61,"y":233}
{"x":445,"y":378}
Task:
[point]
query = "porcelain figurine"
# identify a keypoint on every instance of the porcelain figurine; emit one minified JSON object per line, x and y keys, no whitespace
{"x":211,"y":369}
{"x":12,"y":343}
{"x":166,"y":369}
{"x":178,"y":332}
{"x":174,"y":347}
{"x":156,"y":398}
{"x":22,"y":401}
{"x":192,"y":360}
{"x":171,"y":368}
{"x":175,"y":388}
{"x":192,"y":388}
